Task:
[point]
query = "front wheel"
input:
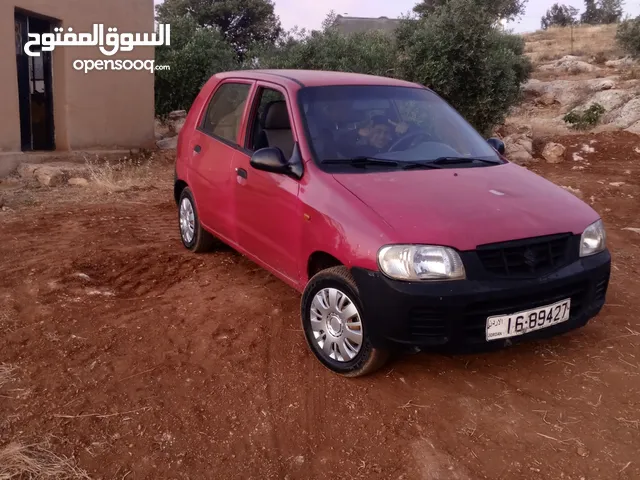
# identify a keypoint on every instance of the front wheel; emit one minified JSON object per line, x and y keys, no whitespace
{"x":333,"y":326}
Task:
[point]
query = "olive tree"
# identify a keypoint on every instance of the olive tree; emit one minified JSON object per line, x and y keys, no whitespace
{"x":628,"y":36}
{"x":194,"y":55}
{"x":371,"y":52}
{"x":458,"y":51}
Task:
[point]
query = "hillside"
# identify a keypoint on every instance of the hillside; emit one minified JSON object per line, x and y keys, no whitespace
{"x":572,"y":72}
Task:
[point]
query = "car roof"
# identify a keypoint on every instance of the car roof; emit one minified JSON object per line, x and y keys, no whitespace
{"x":316,"y":78}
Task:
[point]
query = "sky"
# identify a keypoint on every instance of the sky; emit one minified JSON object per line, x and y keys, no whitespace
{"x":310,"y":14}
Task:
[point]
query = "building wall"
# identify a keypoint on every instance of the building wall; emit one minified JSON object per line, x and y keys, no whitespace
{"x":100,"y":109}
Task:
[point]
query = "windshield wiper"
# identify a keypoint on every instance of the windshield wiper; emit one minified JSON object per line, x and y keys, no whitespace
{"x":360,"y":162}
{"x":419,"y":165}
{"x":456,"y":160}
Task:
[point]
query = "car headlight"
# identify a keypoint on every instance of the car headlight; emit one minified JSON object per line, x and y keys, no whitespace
{"x":593,"y":240}
{"x":420,"y":262}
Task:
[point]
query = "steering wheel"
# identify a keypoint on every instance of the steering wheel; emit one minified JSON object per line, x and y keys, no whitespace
{"x":405,"y":139}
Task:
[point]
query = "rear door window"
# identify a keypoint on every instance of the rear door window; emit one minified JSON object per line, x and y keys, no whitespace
{"x":225,"y":110}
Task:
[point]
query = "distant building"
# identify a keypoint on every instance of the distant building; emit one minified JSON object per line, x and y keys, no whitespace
{"x":363,"y":24}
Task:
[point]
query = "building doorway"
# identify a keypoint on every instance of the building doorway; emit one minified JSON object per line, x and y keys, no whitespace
{"x":35,"y":85}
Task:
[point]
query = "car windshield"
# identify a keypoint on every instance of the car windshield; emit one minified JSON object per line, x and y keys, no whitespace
{"x":403,"y":125}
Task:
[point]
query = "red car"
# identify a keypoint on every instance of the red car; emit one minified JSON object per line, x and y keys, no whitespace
{"x":395,"y":219}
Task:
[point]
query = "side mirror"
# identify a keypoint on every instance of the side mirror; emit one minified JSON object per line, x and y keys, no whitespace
{"x":270,"y":159}
{"x":497,"y":144}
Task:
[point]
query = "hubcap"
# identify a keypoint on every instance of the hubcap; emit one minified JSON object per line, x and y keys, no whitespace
{"x":336,"y":325}
{"x":187,"y":220}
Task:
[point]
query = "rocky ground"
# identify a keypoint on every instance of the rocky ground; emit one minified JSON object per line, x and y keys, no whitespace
{"x":597,"y":73}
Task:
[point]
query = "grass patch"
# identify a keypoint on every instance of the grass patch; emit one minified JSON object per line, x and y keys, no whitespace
{"x":120,"y":175}
{"x":597,"y":41}
{"x":36,"y":462}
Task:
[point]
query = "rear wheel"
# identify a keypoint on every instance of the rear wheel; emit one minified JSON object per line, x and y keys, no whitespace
{"x":333,"y":325}
{"x":193,"y":236}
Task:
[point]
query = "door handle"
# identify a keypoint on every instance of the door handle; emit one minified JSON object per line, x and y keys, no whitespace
{"x":197,"y":148}
{"x":241,"y":172}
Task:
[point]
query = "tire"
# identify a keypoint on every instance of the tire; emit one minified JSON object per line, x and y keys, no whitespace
{"x":340,"y":327}
{"x":193,"y":236}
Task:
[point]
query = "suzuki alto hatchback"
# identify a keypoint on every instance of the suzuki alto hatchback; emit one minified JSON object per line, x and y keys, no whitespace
{"x":395,"y":219}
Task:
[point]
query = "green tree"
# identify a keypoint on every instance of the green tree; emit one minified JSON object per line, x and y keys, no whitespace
{"x":458,"y":51}
{"x":370,"y":52}
{"x":628,"y":36}
{"x":591,"y":14}
{"x":509,"y":9}
{"x":242,"y":23}
{"x":611,"y":11}
{"x":195,"y":54}
{"x":560,"y":16}
{"x":599,"y":12}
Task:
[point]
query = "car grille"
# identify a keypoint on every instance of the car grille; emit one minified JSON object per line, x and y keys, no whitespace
{"x":428,"y":324}
{"x":527,"y":257}
{"x":601,"y":289}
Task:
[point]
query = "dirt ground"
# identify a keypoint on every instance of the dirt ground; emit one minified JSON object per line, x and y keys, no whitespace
{"x":140,"y":360}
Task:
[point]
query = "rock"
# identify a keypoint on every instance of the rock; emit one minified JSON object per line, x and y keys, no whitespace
{"x":577,"y":157}
{"x":628,"y":115}
{"x":546,"y":99}
{"x":553,"y":152}
{"x":49,"y":176}
{"x":159,"y":136}
{"x":167,"y":143}
{"x":177,"y":126}
{"x":621,"y":62}
{"x":632,"y":229}
{"x":26,"y":170}
{"x":587,"y":149}
{"x":570,"y":64}
{"x":609,"y":99}
{"x":177,"y":114}
{"x":604,"y":84}
{"x":519,"y":148}
{"x":576,"y":191}
{"x":616,"y":184}
{"x":78,"y":181}
{"x":635,"y":128}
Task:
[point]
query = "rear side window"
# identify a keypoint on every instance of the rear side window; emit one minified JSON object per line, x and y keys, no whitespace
{"x":225,"y":111}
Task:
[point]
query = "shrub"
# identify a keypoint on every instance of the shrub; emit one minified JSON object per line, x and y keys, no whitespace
{"x":628,"y":36}
{"x":586,"y":119}
{"x":459,"y":53}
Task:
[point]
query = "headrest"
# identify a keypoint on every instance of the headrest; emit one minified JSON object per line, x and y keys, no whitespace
{"x":276,"y":116}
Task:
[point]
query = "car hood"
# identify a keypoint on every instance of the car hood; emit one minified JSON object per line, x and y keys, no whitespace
{"x":467,"y":207}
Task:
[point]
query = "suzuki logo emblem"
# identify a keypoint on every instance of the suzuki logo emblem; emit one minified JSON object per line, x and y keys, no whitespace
{"x":530,"y":258}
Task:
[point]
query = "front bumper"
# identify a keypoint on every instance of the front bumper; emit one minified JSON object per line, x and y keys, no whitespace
{"x":454,"y":313}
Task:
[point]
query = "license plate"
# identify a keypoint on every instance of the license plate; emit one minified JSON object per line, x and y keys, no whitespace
{"x":515,"y":324}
